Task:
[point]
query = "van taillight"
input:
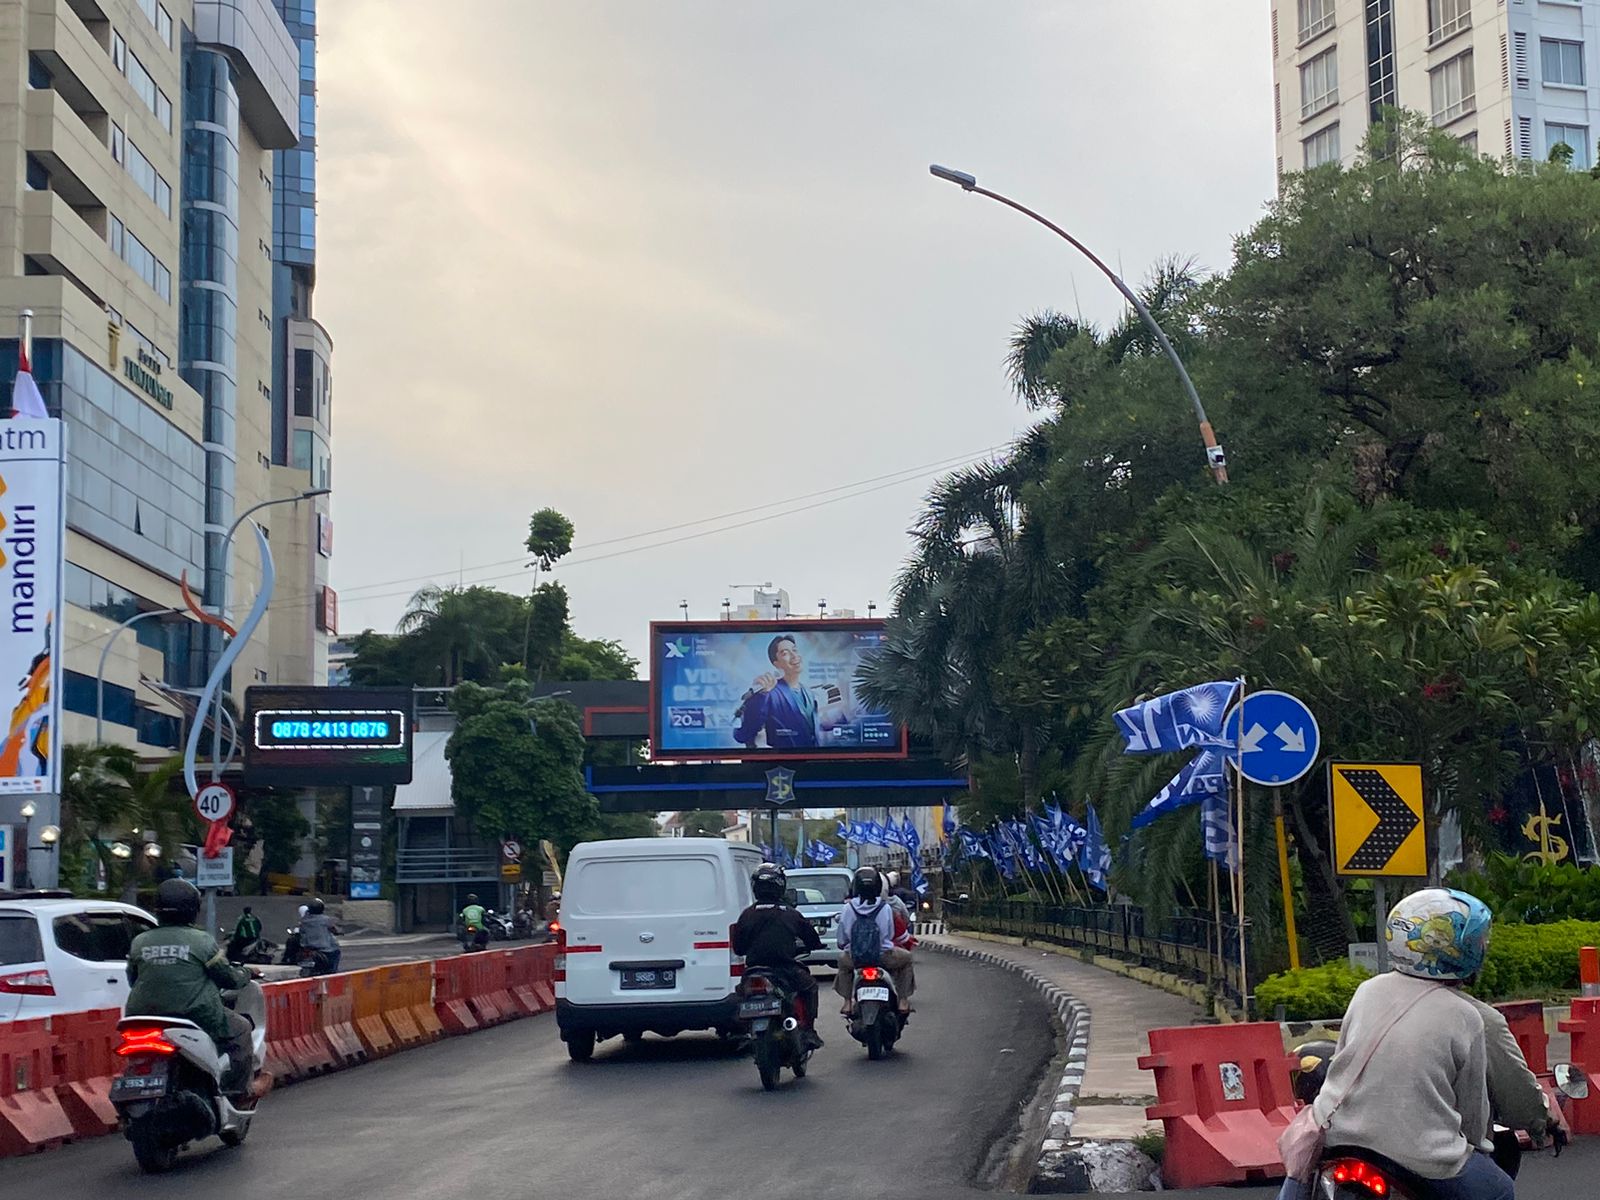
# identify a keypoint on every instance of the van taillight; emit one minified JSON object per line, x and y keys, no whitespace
{"x":735,"y":967}
{"x":28,"y":983}
{"x":560,"y":971}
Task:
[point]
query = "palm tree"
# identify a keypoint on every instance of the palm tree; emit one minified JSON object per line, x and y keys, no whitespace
{"x":445,"y":618}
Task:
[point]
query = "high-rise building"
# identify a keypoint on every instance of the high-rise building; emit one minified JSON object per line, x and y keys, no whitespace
{"x":1508,"y":77}
{"x":138,"y":196}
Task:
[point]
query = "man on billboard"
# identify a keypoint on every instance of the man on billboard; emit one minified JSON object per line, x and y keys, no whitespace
{"x":790,"y":715}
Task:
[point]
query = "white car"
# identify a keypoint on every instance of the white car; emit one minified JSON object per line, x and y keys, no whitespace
{"x":59,"y":954}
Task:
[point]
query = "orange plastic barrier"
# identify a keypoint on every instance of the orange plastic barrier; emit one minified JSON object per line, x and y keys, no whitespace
{"x":452,"y":985}
{"x":87,"y":1043}
{"x":31,"y":1116}
{"x":1584,"y":1026}
{"x":405,"y":1000}
{"x":1526,"y":1018}
{"x":1589,"y":971}
{"x":366,"y":992}
{"x":336,"y":1020}
{"x":1225,"y":1096}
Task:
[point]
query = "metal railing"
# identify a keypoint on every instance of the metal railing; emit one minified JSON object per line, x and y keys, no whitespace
{"x":1186,"y":944}
{"x":446,"y":864}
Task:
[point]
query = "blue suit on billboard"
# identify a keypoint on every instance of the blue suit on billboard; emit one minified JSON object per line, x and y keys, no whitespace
{"x":787,"y":715}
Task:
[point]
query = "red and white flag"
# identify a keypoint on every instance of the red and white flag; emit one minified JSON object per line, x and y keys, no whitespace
{"x":25,"y":398}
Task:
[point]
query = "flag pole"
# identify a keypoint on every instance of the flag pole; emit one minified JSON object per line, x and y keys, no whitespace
{"x":1244,"y":969}
{"x":25,"y":332}
{"x":1216,"y":922}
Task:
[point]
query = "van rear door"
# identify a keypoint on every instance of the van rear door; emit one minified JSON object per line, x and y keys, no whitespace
{"x":646,"y":929}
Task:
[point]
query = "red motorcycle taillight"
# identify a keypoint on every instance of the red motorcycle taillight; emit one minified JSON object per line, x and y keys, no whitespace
{"x":1362,"y":1174}
{"x":757,"y":983}
{"x":871,"y":974}
{"x":147,"y":1040}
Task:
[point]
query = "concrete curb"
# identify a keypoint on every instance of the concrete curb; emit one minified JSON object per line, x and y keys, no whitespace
{"x":1071,"y":1016}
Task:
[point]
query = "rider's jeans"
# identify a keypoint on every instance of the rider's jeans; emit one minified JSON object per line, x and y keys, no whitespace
{"x":1481,"y":1180}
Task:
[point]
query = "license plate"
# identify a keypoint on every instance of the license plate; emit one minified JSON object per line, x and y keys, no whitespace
{"x":759,"y":1008}
{"x":648,"y":979}
{"x":128,"y":1087}
{"x":872,"y":993}
{"x":822,"y":924}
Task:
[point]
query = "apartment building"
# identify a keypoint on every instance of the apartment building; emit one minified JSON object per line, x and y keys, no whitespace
{"x":1509,"y":78}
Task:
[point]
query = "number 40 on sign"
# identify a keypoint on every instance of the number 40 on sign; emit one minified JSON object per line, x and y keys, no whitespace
{"x":214,"y":802}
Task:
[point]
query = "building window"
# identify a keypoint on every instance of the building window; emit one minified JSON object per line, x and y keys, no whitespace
{"x":118,"y":142}
{"x":308,"y":116}
{"x":138,"y":256}
{"x":1454,"y":94}
{"x":1469,"y":142}
{"x":1319,"y":84}
{"x":37,"y":176}
{"x":119,"y":52}
{"x":1315,"y":17}
{"x":1575,"y":136}
{"x":308,"y":59}
{"x":1447,"y":17}
{"x":144,"y":173}
{"x":1562,"y":62}
{"x":300,"y":450}
{"x":1380,"y":58}
{"x":302,"y":384}
{"x":38,"y":74}
{"x":1322,"y":147}
{"x":114,"y":236}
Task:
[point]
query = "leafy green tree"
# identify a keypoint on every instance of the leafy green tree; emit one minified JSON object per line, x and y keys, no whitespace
{"x":549,"y":537}
{"x":280,"y":828}
{"x":703,"y":823}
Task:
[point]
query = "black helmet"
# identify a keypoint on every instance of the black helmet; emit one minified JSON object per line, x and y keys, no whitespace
{"x":316,"y":906}
{"x":1312,"y":1070}
{"x":769,"y":883}
{"x":472,"y":897}
{"x":177,"y":902}
{"x":867,"y":883}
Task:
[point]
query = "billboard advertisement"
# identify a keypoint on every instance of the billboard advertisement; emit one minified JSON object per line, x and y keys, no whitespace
{"x":32,"y":542}
{"x":327,"y":736}
{"x":765,"y":689}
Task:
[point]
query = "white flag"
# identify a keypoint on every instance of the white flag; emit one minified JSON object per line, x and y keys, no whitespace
{"x":25,"y":398}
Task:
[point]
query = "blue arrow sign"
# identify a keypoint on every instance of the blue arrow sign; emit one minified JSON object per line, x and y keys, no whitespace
{"x":1277,"y":736}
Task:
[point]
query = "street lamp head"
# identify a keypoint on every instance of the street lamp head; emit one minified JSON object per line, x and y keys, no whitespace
{"x":50,"y":835}
{"x":29,"y":809}
{"x":118,"y":849}
{"x":966,"y":182}
{"x":314,"y":492}
{"x":152,"y":850}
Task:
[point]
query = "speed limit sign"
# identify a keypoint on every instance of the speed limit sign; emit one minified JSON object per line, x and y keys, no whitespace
{"x":214,"y":802}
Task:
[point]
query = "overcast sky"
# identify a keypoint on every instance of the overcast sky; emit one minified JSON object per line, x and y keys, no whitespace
{"x":657,"y":261}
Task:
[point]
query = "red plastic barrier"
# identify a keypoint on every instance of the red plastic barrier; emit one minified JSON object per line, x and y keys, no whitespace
{"x":489,"y":998}
{"x":296,"y":1046}
{"x":1526,"y":1019}
{"x":1584,"y":1026}
{"x":452,"y":978}
{"x":31,"y":1116}
{"x":1225,"y":1096}
{"x":88,"y":1043}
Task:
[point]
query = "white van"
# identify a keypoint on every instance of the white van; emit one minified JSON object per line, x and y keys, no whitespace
{"x":644,"y":944}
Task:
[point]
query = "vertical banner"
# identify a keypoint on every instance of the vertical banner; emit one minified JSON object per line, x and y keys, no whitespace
{"x":366,"y":842}
{"x":8,"y":857}
{"x":32,"y":549}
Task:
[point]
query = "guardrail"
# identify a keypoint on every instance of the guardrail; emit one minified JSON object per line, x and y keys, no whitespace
{"x":1188,"y":945}
{"x":446,"y":864}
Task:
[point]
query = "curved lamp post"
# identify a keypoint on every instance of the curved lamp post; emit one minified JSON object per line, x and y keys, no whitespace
{"x":1215,"y":458}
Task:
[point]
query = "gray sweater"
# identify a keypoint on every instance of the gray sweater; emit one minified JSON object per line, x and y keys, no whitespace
{"x":1424,"y":1099}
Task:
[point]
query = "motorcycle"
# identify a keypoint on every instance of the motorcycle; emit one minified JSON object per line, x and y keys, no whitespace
{"x":1355,"y":1173}
{"x":256,"y":952}
{"x":170,"y":1091}
{"x":473,"y":938}
{"x":525,"y":923}
{"x":291,"y":947}
{"x":315,"y":962}
{"x":500,"y":927}
{"x":876,"y":1020}
{"x":770,"y":1012}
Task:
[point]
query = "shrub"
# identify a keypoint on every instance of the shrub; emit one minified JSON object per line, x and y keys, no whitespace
{"x":1526,"y":893}
{"x":1312,"y":993}
{"x":1528,"y":962}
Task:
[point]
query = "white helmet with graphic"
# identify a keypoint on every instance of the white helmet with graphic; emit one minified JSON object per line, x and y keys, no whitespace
{"x":1438,"y":933}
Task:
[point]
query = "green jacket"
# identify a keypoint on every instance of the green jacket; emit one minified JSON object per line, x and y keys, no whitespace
{"x":178,"y":971}
{"x":472,"y":915}
{"x":248,"y":929}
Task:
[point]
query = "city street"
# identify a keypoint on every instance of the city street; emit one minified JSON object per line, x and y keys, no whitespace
{"x":504,"y":1113}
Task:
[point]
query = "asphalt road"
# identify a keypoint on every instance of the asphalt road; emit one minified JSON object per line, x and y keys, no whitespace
{"x":504,"y":1113}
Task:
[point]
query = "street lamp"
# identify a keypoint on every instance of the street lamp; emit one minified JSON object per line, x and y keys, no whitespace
{"x":100,"y":671}
{"x":49,"y":835}
{"x":1215,"y":458}
{"x":222,"y":596}
{"x":29,"y":809}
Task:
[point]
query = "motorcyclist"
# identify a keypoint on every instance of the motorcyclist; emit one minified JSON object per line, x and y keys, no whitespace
{"x":767,"y":935}
{"x":1448,"y":1067}
{"x":318,"y":932}
{"x":473,"y":922}
{"x":246,"y":933}
{"x":177,"y":970}
{"x":902,"y":894}
{"x":867,"y":903}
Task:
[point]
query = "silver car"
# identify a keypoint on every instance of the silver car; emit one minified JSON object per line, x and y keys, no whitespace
{"x":820,"y":893}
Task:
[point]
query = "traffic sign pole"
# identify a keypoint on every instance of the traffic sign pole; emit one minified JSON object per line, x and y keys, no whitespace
{"x":1380,"y":912}
{"x":1283,"y":875}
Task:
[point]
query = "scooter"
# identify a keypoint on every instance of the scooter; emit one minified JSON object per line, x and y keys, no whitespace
{"x":256,"y":952}
{"x":876,"y":1020}
{"x":526,"y":924}
{"x":500,"y":928}
{"x":771,"y":1012}
{"x":473,"y":938}
{"x":170,"y":1091}
{"x":1355,"y":1173}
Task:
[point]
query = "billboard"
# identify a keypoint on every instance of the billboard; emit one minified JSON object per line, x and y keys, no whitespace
{"x":765,"y":689}
{"x":32,"y":541}
{"x":327,"y":736}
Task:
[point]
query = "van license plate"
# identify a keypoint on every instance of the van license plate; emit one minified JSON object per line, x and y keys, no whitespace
{"x":648,"y":979}
{"x":872,"y":993}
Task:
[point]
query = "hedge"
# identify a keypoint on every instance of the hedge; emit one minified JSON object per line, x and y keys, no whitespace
{"x":1525,"y":962}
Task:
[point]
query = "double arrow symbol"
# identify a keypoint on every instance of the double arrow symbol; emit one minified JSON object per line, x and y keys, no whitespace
{"x":1294,"y":740}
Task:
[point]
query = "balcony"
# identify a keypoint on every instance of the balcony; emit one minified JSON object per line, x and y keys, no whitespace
{"x":446,"y":864}
{"x":63,"y":242}
{"x":76,"y":58}
{"x":79,"y":163}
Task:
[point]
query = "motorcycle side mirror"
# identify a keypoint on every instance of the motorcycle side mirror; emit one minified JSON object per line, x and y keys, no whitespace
{"x":1571,"y":1081}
